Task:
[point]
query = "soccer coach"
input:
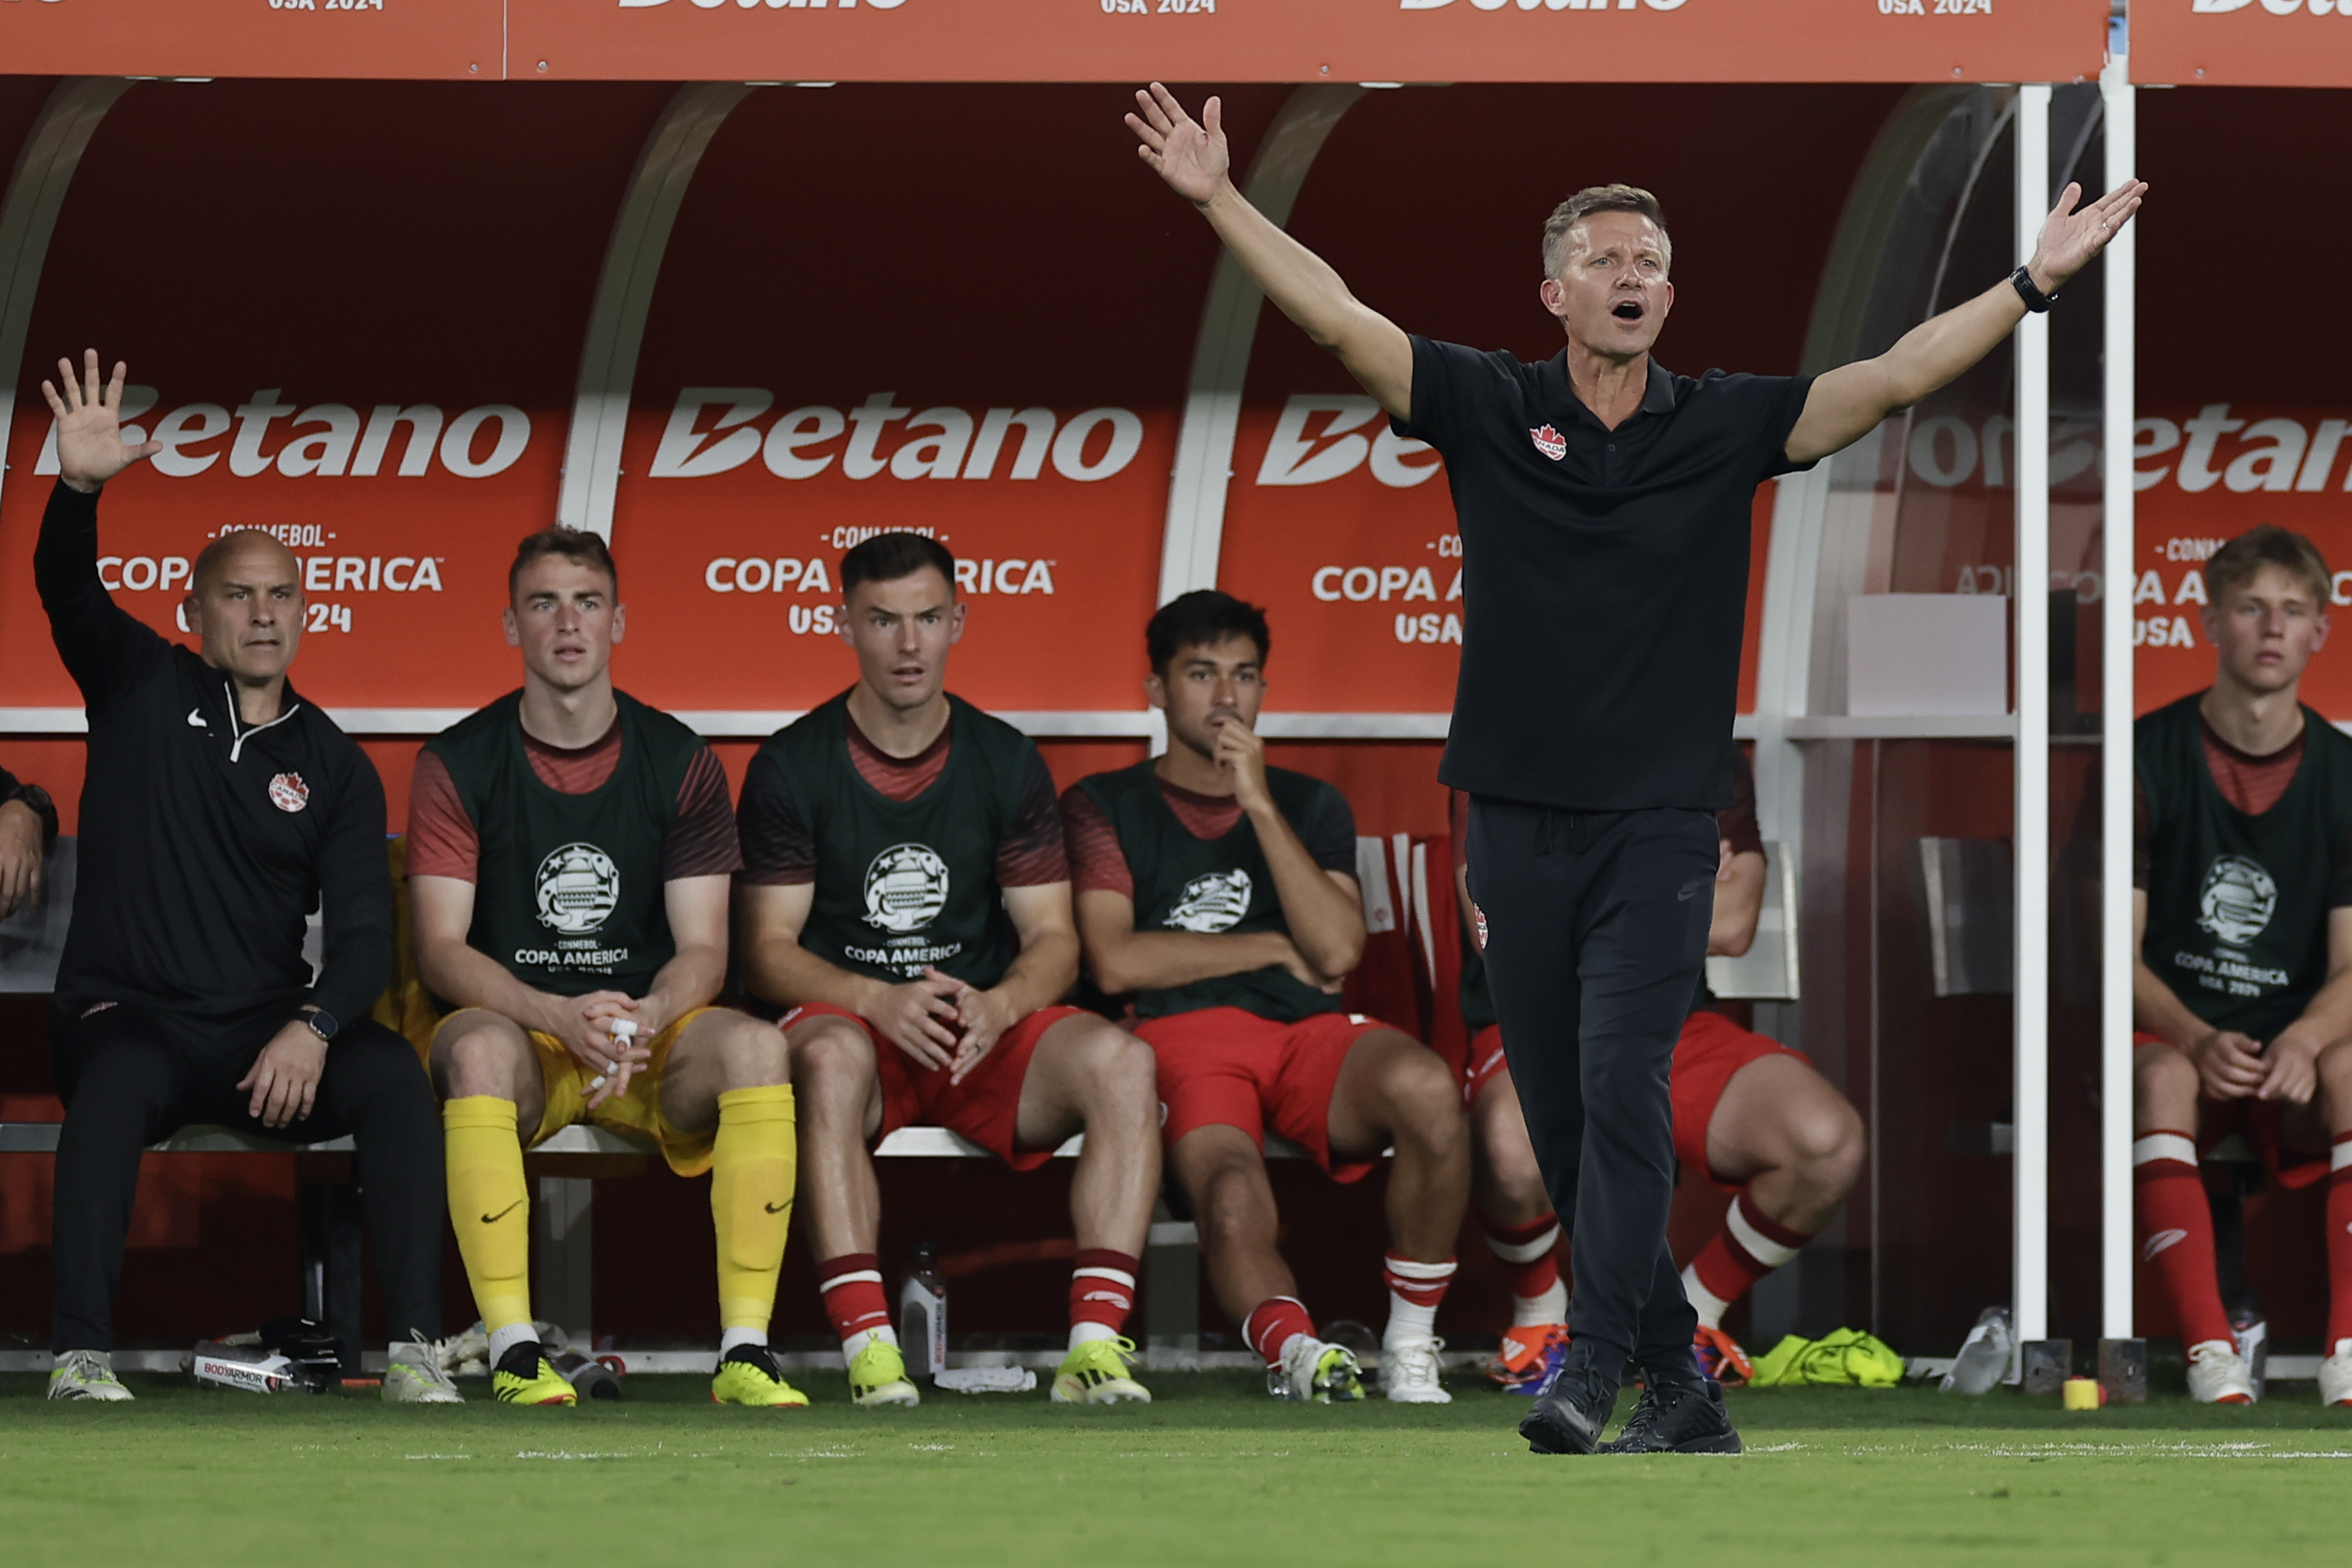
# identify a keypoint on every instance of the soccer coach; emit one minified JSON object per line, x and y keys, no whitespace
{"x":1603,"y":506}
{"x":217,"y":810}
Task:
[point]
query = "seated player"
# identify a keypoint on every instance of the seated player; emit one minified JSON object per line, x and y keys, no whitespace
{"x":1751,"y":1116}
{"x":1221,"y":894}
{"x":219,"y":810}
{"x":568,"y":857}
{"x":2242,"y":972}
{"x":28,"y":828}
{"x":905,"y":894}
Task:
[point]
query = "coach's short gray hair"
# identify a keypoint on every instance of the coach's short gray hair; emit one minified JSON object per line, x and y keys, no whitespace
{"x":1599,"y":199}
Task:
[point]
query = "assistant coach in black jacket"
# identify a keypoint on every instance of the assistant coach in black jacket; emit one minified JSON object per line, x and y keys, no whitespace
{"x":218,"y":810}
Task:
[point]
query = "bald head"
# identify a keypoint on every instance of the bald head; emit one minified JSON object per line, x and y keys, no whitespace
{"x":245,"y":603}
{"x":258,"y":558}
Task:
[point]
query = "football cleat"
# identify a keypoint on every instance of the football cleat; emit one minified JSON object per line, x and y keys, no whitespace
{"x":415,"y":1376}
{"x":2218,"y":1375}
{"x":86,"y":1375}
{"x":749,"y":1374}
{"x":1409,"y":1372}
{"x":1719,"y":1357}
{"x":1315,"y":1373}
{"x":877,"y":1377}
{"x":525,"y":1376}
{"x":2335,"y":1375}
{"x":1678,"y":1418}
{"x":1096,"y":1373}
{"x":1528,"y":1357}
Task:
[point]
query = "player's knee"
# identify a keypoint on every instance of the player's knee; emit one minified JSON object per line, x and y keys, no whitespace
{"x":830,"y":1057}
{"x":2335,"y":1068}
{"x":2163,"y":1078}
{"x":752,"y":1054}
{"x":1122,"y":1075}
{"x":1829,"y":1144}
{"x":1424,"y":1100}
{"x":480,"y":1056}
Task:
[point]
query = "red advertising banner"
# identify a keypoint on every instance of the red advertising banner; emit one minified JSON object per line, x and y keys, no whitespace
{"x":460,"y":39}
{"x":2242,"y":43}
{"x":842,"y":345}
{"x":1067,"y":40}
{"x":391,"y":402}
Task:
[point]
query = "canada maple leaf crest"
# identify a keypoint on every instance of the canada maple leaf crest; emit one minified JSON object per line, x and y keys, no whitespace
{"x":1549,"y":442}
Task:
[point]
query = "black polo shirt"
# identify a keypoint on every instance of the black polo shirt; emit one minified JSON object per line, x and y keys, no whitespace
{"x":1605,"y":575}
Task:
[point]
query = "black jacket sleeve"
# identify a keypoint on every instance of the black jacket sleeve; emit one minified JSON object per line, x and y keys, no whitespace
{"x":103,"y":646}
{"x":355,"y":896}
{"x":36,"y":800}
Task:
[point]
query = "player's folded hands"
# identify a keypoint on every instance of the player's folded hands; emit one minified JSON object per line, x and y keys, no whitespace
{"x":918,"y":1017}
{"x":2229,"y":1063}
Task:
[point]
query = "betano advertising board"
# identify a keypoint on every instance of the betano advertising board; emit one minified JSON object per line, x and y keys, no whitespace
{"x":1065,"y":40}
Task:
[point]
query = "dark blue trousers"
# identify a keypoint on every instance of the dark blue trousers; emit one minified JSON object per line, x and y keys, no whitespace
{"x":1596,"y":936}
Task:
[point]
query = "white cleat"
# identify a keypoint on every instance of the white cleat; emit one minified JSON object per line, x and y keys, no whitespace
{"x":2218,"y":1375}
{"x":1314,"y":1371}
{"x":86,"y":1375}
{"x":2335,"y":1375}
{"x":415,"y":1376}
{"x":1409,"y":1372}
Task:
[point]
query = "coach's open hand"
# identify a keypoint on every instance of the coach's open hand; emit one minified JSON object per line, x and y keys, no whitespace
{"x":91,"y":449}
{"x":2069,"y":239}
{"x":1192,"y":157}
{"x":284,"y":1080}
{"x":20,"y":856}
{"x":915,"y":1016}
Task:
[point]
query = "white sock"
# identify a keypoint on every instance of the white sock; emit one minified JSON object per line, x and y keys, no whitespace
{"x":1551,"y":1307}
{"x":730,"y":1338}
{"x":1086,"y":1333}
{"x":1709,"y":1306}
{"x":1409,"y":1320}
{"x":863,"y":1337}
{"x":506,"y":1339}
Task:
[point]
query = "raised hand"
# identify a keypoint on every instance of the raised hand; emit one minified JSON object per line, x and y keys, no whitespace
{"x":2070,"y":238}
{"x":91,"y":449}
{"x":1191,"y":156}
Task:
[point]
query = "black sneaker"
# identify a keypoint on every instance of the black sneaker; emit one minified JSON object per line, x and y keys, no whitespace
{"x":1678,"y":1418}
{"x":1567,"y":1419}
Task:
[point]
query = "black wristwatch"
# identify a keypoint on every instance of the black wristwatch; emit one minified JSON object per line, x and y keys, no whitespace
{"x":322,"y":1024}
{"x":2035,"y":300}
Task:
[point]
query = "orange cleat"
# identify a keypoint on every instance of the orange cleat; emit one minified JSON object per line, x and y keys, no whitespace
{"x":1529,"y":1354}
{"x":1720,"y":1357}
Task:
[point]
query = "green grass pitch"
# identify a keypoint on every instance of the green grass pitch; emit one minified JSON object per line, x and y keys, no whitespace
{"x":1212,"y":1472}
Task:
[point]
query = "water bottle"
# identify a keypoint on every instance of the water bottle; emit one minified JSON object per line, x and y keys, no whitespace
{"x":248,"y":1369}
{"x":1984,"y":1356}
{"x":923,"y":1313}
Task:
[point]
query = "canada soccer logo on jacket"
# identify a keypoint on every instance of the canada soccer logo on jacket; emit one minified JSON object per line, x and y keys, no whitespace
{"x":1549,"y":442}
{"x":289,"y":792}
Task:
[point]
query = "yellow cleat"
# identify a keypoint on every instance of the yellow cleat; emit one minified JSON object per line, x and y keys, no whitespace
{"x":525,"y":1376}
{"x":749,"y":1375}
{"x":1096,"y":1373}
{"x":877,"y":1376}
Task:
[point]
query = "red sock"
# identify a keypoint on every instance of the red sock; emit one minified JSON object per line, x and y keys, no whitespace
{"x":1271,"y":1324}
{"x":1750,"y":1245}
{"x":1102,"y":1287}
{"x":2177,"y":1225}
{"x":2339,"y":1245}
{"x":851,"y":1285}
{"x":1527,"y":1252}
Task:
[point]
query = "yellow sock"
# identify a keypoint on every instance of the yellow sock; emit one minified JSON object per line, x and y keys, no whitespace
{"x":753,"y":1162}
{"x":489,"y":1205}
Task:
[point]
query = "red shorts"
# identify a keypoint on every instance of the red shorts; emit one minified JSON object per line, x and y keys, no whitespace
{"x":1710,"y":1049}
{"x":2262,"y":1123}
{"x":985,"y":1107}
{"x":1220,"y":1066}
